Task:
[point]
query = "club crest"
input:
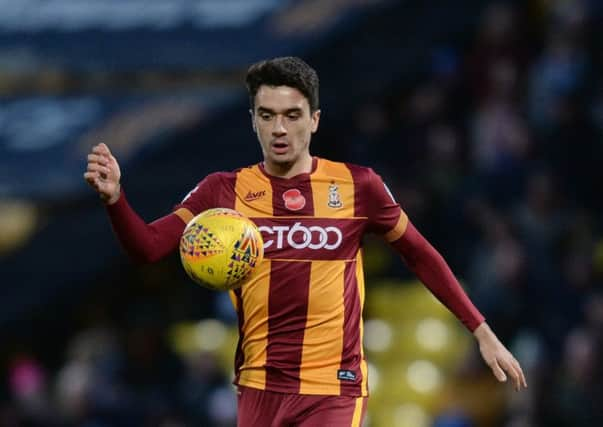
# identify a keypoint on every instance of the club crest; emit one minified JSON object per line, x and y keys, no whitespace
{"x":334,"y":196}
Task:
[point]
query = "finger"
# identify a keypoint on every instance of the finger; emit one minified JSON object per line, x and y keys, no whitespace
{"x":524,"y":383}
{"x":523,"y":379}
{"x":90,"y":177}
{"x":516,"y":379}
{"x":97,"y":184}
{"x":104,"y":156}
{"x":498,"y":372}
{"x":101,"y":152}
{"x":101,"y":149}
{"x":510,"y":367}
{"x":95,"y":167}
{"x":97,"y":158}
{"x":92,"y":180}
{"x":104,"y":148}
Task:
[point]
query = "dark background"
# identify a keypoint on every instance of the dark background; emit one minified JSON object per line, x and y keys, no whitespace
{"x":485,"y":119}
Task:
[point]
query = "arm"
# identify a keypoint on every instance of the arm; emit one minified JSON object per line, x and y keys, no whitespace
{"x":143,"y":242}
{"x":431,"y":268}
{"x":386,"y":218}
{"x":433,"y":271}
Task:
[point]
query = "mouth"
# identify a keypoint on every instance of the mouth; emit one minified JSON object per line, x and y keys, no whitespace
{"x":280,"y":147}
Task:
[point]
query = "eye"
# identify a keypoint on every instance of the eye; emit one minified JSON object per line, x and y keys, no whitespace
{"x":293,"y":116}
{"x":265,"y":116}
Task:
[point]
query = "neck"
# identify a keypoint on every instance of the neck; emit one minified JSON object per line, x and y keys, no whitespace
{"x":289,"y":170}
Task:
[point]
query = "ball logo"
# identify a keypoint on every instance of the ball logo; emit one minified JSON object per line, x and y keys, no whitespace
{"x":294,"y":199}
{"x":301,"y":237}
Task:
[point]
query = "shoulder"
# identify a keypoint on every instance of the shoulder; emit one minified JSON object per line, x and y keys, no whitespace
{"x":211,"y":190}
{"x":224,"y":177}
{"x":360,"y":171}
{"x":221,"y":176}
{"x":223,"y":180}
{"x":360,"y":174}
{"x":364,"y":177}
{"x":368,"y":180}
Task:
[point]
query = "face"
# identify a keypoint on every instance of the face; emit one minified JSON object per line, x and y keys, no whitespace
{"x":284,"y":125}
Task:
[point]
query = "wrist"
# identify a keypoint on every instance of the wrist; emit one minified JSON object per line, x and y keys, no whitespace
{"x":483,"y":332}
{"x":111,"y":200}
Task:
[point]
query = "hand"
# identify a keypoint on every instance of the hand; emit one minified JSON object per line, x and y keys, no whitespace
{"x":103,"y":173}
{"x":498,"y":358}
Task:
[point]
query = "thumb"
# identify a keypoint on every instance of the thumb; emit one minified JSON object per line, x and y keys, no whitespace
{"x":105,"y":149}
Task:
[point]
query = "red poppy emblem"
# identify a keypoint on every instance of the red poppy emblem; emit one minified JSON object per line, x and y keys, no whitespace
{"x":294,"y":199}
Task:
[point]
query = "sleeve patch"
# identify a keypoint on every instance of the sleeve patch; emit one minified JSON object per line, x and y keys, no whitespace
{"x":184,"y":214}
{"x":399,"y":229}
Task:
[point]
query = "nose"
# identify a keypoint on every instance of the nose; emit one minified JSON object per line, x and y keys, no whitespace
{"x":279,"y":127}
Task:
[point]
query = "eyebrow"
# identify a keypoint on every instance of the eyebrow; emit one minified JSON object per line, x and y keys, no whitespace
{"x":287,"y":111}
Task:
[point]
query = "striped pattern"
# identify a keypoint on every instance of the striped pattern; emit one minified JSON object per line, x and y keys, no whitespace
{"x":300,"y":314}
{"x":359,"y":410}
{"x":253,"y":345}
{"x":184,"y":214}
{"x":253,"y":193}
{"x":323,"y":340}
{"x":398,"y":230}
{"x":288,"y":300}
{"x":341,"y":177}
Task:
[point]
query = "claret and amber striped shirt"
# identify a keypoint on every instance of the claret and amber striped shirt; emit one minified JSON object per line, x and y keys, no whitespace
{"x":299,"y":315}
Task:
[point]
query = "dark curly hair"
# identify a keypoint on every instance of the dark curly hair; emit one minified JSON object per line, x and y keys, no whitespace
{"x":284,"y":71}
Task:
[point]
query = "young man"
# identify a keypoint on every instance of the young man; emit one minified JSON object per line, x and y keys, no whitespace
{"x":299,"y":360}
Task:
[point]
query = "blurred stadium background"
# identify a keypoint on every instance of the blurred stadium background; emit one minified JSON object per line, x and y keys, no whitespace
{"x":484,"y":117}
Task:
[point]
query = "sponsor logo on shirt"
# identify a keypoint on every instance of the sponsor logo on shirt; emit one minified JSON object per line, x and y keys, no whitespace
{"x":299,"y":236}
{"x":346,"y":375}
{"x":254,"y":195}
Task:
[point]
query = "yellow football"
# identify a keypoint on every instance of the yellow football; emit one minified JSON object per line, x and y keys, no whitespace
{"x":220,"y":247}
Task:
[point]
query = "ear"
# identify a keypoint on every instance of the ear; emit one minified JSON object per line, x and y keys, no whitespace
{"x":253,"y":121}
{"x":315,"y":117}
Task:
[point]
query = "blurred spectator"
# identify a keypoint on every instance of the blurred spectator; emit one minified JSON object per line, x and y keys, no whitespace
{"x":575,"y":401}
{"x":497,"y":271}
{"x":501,"y":140}
{"x":499,"y":39}
{"x":556,"y":78}
{"x":453,"y":418}
{"x":202,"y":394}
{"x":443,"y":170}
{"x":89,"y":387}
{"x":28,"y":384}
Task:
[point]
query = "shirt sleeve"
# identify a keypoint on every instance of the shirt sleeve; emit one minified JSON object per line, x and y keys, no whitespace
{"x":200,"y":198}
{"x":387,"y":218}
{"x":384,"y":214}
{"x":144,"y":242}
{"x":433,"y":271}
{"x":151,"y":242}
